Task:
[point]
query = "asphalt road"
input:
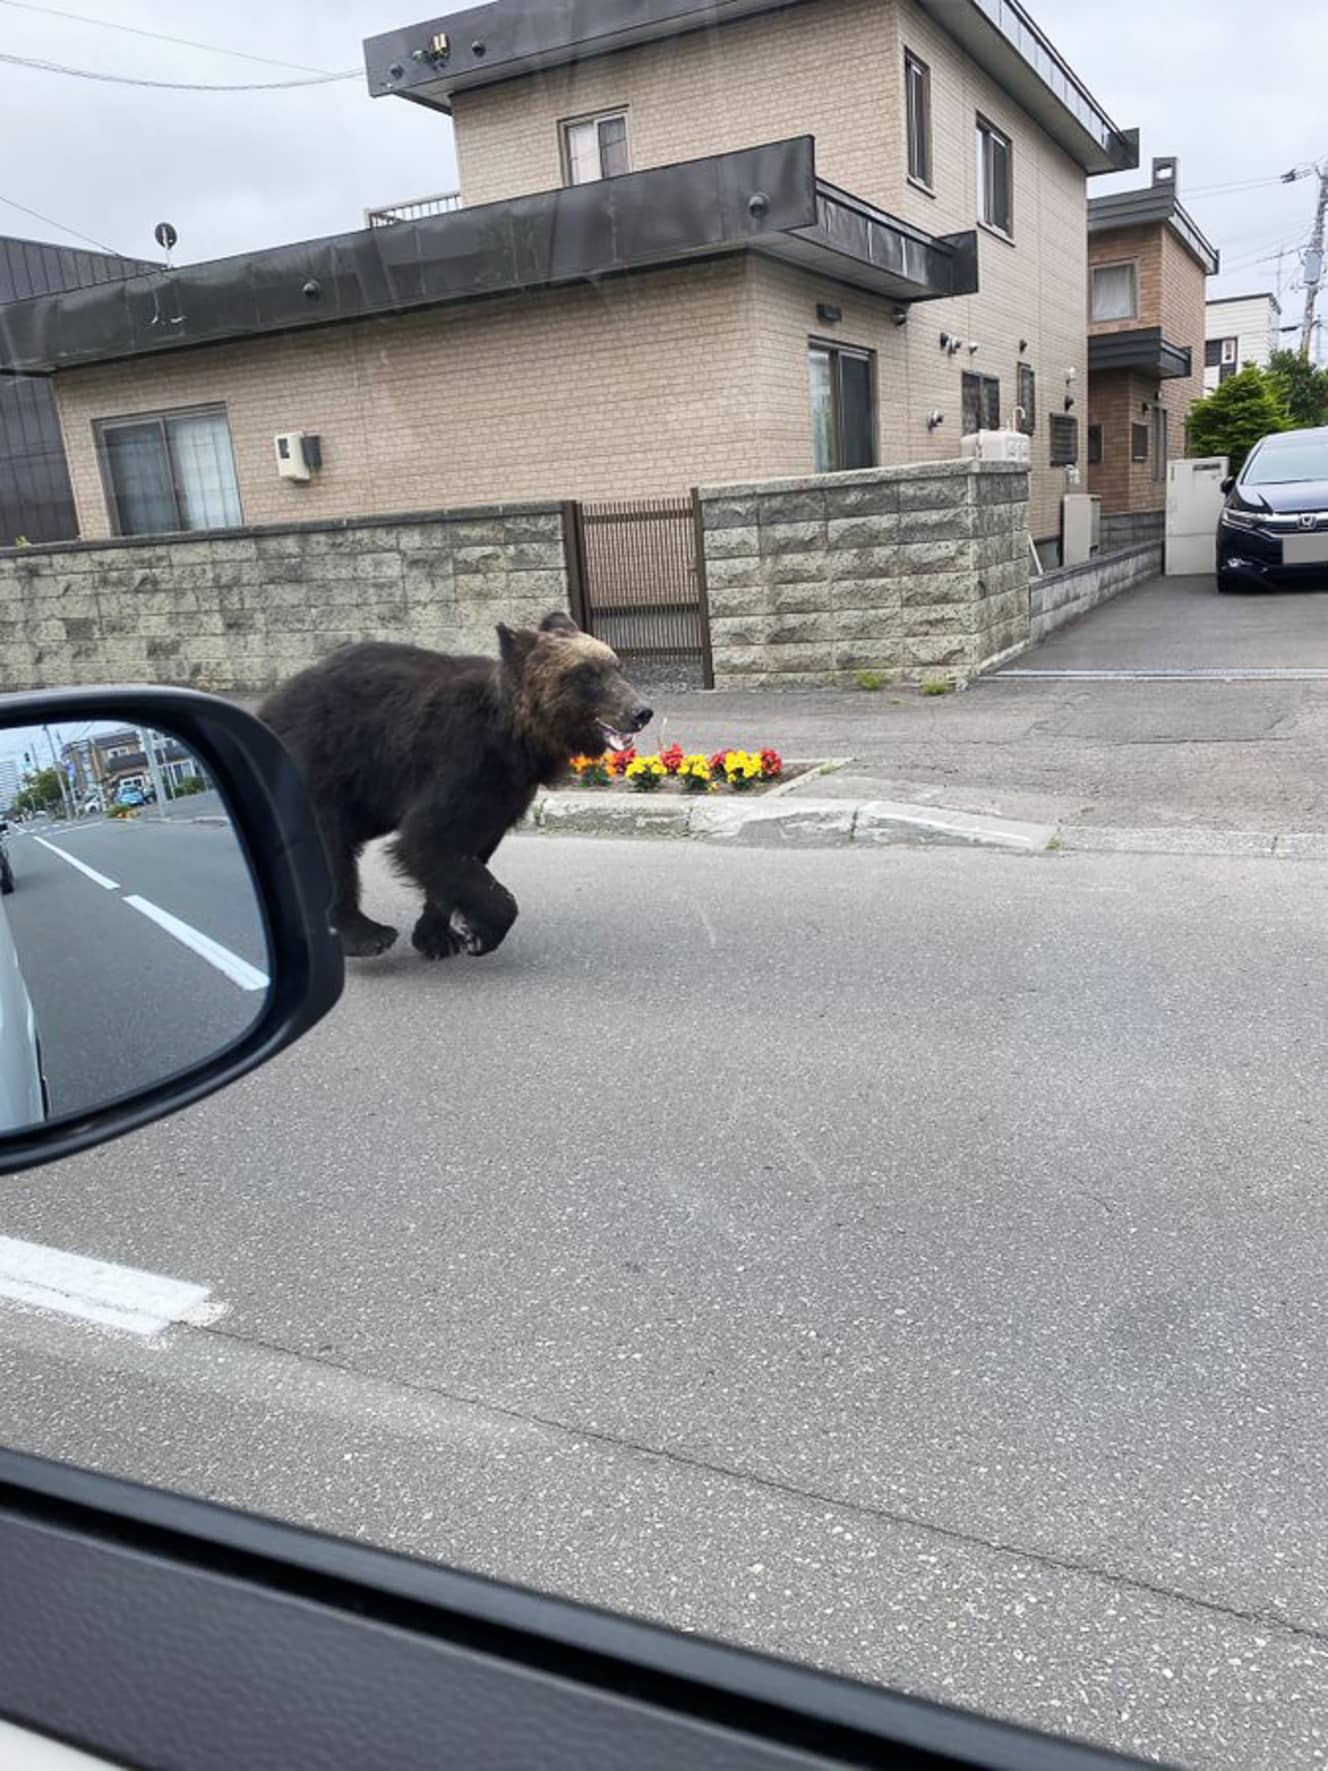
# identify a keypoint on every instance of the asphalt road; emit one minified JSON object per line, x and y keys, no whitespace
{"x":121,"y":1001}
{"x":914,"y":1262}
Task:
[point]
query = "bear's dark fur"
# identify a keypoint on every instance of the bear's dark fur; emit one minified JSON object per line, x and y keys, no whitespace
{"x":447,"y":752}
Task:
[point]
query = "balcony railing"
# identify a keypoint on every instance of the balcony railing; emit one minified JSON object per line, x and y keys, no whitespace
{"x":414,"y":210}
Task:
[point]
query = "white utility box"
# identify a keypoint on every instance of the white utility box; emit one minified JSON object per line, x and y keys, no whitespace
{"x":1081,"y":527}
{"x":292,"y":463}
{"x":1194,"y":502}
{"x":995,"y":445}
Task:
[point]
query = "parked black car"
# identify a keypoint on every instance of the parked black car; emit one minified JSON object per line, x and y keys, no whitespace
{"x":1273,"y":530}
{"x":6,"y":866}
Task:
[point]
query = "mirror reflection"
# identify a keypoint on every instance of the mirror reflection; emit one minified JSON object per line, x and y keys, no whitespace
{"x":132,"y":944}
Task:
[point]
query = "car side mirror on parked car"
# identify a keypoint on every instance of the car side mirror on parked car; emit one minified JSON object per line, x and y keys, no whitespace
{"x":1228,"y":483}
{"x":155,"y":951}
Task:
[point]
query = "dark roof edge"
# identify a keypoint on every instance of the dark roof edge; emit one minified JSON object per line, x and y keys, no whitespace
{"x":1147,"y":206}
{"x":1254,"y":295}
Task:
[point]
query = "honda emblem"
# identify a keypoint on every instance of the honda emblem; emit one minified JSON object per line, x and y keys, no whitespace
{"x":1308,"y":519}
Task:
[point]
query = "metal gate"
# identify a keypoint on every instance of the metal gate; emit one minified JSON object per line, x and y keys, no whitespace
{"x":636,"y":572}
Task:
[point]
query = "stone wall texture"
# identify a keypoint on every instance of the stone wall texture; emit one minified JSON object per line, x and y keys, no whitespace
{"x":907,"y":571}
{"x":240,"y":610}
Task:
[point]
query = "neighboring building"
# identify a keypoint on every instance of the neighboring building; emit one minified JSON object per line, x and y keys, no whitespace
{"x":36,"y":501}
{"x":701,"y":242}
{"x":1239,"y":329}
{"x":1148,"y":265}
{"x":11,"y":779}
{"x":111,"y":760}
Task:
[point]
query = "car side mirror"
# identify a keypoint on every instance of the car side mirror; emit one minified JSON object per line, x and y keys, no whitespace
{"x":1228,"y":484}
{"x":155,"y":951}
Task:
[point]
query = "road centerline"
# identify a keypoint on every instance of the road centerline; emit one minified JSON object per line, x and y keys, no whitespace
{"x":230,"y":965}
{"x":107,"y":885}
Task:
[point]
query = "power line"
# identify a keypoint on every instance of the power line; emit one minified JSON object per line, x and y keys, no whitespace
{"x":52,"y":67}
{"x":108,"y":24}
{"x":51,"y":222}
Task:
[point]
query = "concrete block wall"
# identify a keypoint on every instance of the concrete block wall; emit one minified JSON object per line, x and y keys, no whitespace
{"x":239,"y":610}
{"x":908,"y":571}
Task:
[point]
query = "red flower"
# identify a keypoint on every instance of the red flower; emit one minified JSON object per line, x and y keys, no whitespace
{"x":772,"y":764}
{"x":618,"y":760}
{"x":672,"y":758}
{"x":717,"y":761}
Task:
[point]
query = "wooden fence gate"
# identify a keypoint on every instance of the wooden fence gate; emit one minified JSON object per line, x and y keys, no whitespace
{"x":636,"y":575}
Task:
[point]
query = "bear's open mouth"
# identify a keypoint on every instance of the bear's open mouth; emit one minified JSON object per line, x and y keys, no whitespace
{"x":615,"y":739}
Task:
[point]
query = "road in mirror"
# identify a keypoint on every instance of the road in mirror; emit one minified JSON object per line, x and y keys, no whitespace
{"x":132,"y":944}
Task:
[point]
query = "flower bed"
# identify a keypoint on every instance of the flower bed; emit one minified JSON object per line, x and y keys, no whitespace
{"x":729,"y":770}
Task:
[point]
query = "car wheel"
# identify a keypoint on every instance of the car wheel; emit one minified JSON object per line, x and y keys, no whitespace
{"x":7,"y":880}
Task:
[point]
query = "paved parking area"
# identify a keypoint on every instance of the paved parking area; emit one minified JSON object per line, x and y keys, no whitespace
{"x":1183,"y":624}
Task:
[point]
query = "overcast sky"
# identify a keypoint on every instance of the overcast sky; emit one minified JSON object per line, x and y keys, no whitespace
{"x":235,"y":171}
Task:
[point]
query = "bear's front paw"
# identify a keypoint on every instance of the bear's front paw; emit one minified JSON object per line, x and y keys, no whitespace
{"x":434,"y":937}
{"x":366,"y":939}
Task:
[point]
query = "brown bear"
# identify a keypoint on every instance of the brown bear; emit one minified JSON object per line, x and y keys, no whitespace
{"x":446,"y":751}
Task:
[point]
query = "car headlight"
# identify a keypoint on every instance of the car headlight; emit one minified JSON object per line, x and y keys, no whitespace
{"x":1237,"y":519}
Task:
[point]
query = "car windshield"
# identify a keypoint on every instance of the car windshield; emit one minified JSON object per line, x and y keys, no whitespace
{"x":1284,"y":463}
{"x":884,"y":1223}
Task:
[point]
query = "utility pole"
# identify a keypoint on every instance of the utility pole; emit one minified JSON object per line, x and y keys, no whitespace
{"x":1314,"y":260}
{"x":149,"y":742}
{"x":59,"y":768}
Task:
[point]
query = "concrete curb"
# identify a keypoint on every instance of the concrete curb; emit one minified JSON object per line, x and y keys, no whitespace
{"x":769,"y":820}
{"x":830,"y":823}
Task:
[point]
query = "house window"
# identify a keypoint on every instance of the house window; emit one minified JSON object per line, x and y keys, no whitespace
{"x":1114,"y":292}
{"x":595,"y":147}
{"x":171,"y":471}
{"x":917,"y":92}
{"x":995,"y":178}
{"x":980,"y":404}
{"x":1064,"y":436}
{"x":1138,"y":442}
{"x":843,"y":408}
{"x":1220,"y":354}
{"x":1095,"y":445}
{"x":1161,"y":441}
{"x":1026,"y":398}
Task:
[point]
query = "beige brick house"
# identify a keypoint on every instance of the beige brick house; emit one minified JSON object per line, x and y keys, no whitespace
{"x":699,"y":242}
{"x":1148,"y":270}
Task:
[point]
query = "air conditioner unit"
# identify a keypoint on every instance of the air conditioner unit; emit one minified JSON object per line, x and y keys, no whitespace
{"x":995,"y":445}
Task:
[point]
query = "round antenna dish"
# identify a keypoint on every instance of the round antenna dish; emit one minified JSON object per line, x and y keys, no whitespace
{"x":165,"y":235}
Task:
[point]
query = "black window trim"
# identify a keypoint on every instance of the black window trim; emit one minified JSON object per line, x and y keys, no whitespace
{"x":983,"y":384}
{"x":1026,"y":372}
{"x":159,"y":416}
{"x":924,"y":178}
{"x":609,"y":114}
{"x":837,"y":348}
{"x":1062,"y":430}
{"x":1095,"y":445}
{"x":986,"y":128}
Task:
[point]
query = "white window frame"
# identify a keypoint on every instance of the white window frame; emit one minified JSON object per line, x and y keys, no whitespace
{"x":593,"y":119}
{"x":987,"y":131}
{"x":1120,"y":264}
{"x":917,"y":120}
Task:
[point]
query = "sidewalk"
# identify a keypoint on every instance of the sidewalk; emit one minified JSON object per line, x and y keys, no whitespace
{"x":1200,"y":754}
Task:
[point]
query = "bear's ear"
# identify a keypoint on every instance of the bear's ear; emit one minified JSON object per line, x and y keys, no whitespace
{"x":514,"y":647}
{"x":557,"y":622}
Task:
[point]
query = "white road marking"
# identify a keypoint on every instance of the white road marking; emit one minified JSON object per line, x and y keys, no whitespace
{"x":95,"y":1291}
{"x":100,"y":879}
{"x":238,"y":970}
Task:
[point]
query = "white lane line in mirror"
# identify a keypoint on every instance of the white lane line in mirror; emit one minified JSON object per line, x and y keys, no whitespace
{"x":238,"y":970}
{"x":100,"y":879}
{"x":95,"y":1291}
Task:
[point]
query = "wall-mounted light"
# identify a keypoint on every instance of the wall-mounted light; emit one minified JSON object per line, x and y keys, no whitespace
{"x":972,"y":346}
{"x":1071,"y":375}
{"x":946,"y":341}
{"x":1023,"y":344}
{"x":1069,"y":402}
{"x":900,"y":316}
{"x":935,"y":418}
{"x":828,"y":313}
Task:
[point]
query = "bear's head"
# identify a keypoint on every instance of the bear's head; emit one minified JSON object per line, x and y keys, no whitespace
{"x":568,"y":690}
